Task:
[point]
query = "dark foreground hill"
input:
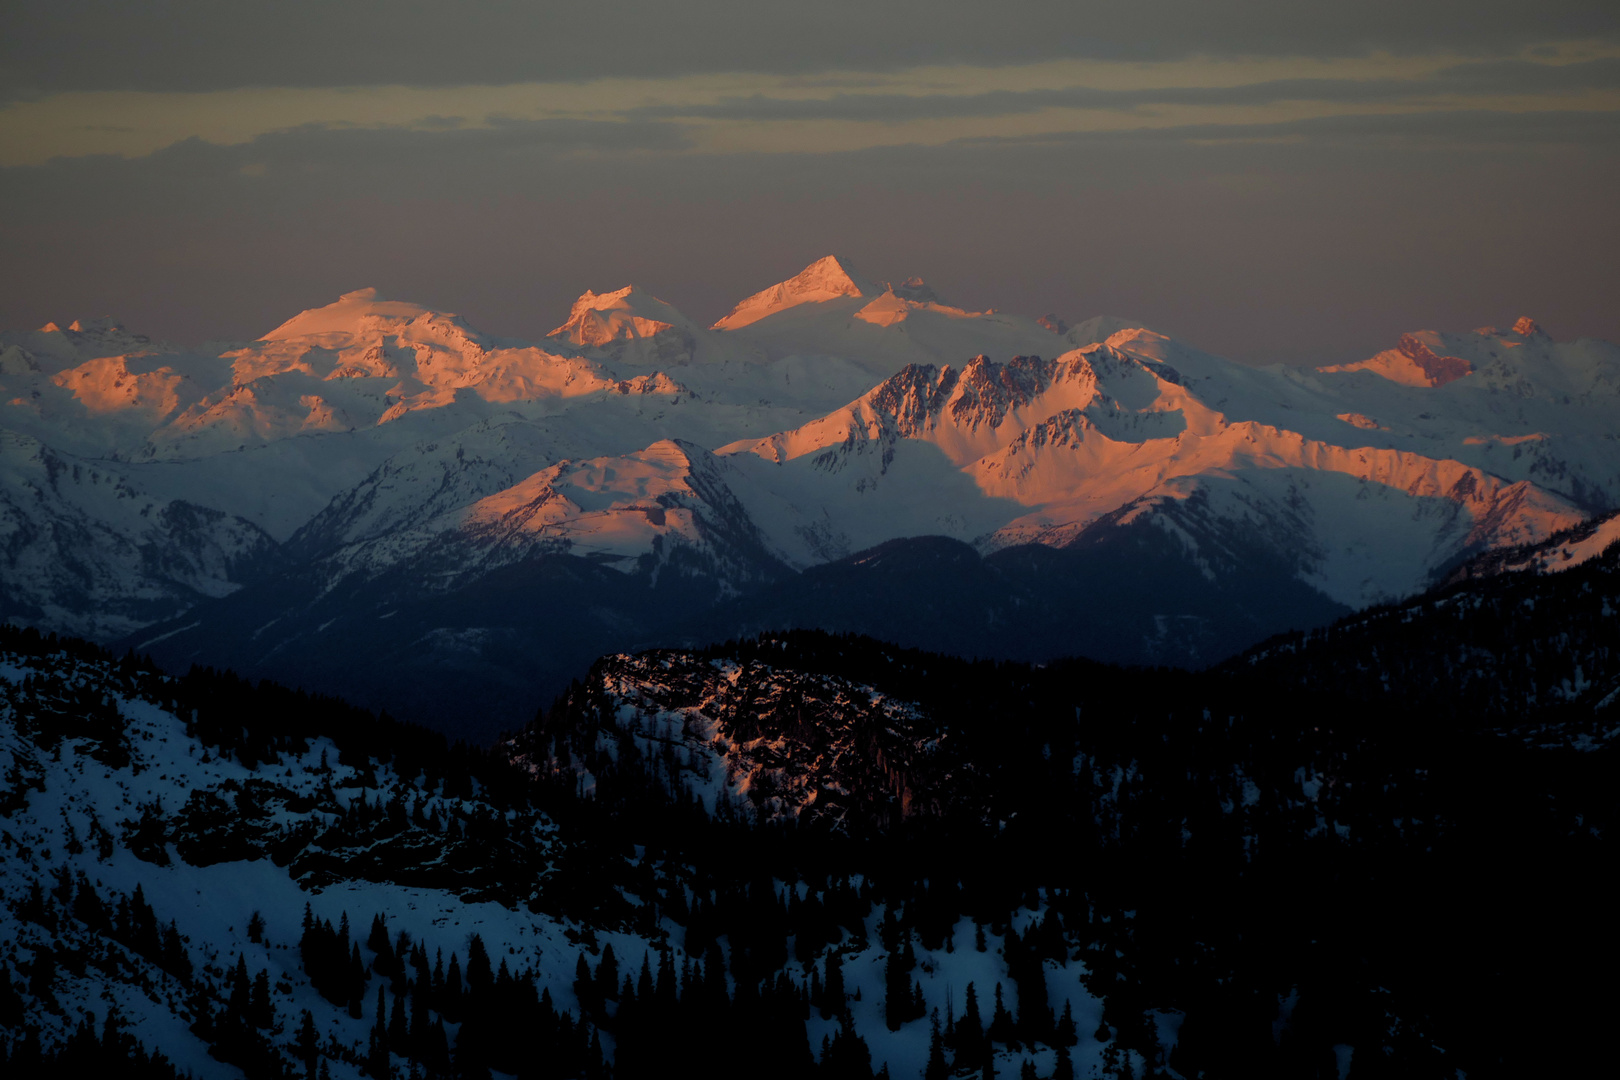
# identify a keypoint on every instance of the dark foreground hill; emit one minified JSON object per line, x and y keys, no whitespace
{"x":1378,"y":850}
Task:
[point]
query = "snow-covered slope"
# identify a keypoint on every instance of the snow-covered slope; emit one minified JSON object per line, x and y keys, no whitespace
{"x":1569,"y":549}
{"x":88,"y":552}
{"x":1579,"y":545}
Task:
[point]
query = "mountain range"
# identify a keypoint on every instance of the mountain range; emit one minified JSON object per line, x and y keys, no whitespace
{"x":378,"y":499}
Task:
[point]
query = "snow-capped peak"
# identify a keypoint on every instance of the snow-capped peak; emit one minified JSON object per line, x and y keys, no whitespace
{"x":352,"y":313}
{"x":1413,"y":362}
{"x":623,"y":315}
{"x":1099,"y":328}
{"x":828,"y":278}
{"x":1528,"y":327}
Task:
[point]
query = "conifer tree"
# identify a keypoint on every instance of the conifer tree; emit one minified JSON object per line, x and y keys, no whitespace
{"x":665,"y":985}
{"x":847,"y":1055}
{"x":261,"y":1011}
{"x":970,"y":1042}
{"x":357,"y":982}
{"x":899,"y":1005}
{"x":437,"y":1051}
{"x":936,"y":1069}
{"x":399,"y":1032}
{"x":1002,"y":1029}
{"x":176,"y":961}
{"x":88,"y":908}
{"x":833,"y":1000}
{"x":452,"y":989}
{"x":308,"y":1043}
{"x":1066,"y":1033}
{"x":584,"y":984}
{"x":644,"y":981}
{"x":238,"y":1008}
{"x":607,"y":975}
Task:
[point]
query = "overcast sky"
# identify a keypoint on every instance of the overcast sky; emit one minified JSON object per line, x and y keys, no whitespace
{"x":1269,"y":180}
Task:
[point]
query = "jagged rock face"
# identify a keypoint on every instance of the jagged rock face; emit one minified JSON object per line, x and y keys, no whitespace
{"x":1439,"y":370}
{"x":746,"y":737}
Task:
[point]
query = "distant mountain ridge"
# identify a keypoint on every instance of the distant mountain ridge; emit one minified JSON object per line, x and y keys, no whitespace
{"x":376,"y":491}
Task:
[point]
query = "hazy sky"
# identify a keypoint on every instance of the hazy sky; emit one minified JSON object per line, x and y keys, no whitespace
{"x":1269,"y":180}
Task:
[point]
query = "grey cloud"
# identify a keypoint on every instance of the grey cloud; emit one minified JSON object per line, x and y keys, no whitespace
{"x":1448,"y":129}
{"x":904,"y":107}
{"x":314,"y":163}
{"x":1475,"y":78}
{"x":447,"y":138}
{"x":55,"y":45}
{"x":1523,"y":76}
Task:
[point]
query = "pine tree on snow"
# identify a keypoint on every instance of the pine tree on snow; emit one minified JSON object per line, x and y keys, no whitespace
{"x":1067,"y":1035}
{"x":607,"y":973}
{"x":399,"y":1032}
{"x":970,"y":1041}
{"x":308,"y":1043}
{"x":1002,"y":1029}
{"x":260,"y":1010}
{"x":937,"y":1067}
{"x":357,"y":983}
{"x":833,"y":1000}
{"x":238,"y":1007}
